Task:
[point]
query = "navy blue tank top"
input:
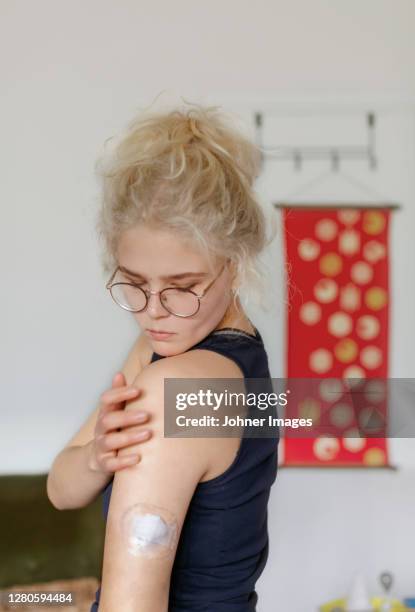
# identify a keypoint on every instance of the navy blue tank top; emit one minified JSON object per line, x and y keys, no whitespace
{"x":223,"y":545}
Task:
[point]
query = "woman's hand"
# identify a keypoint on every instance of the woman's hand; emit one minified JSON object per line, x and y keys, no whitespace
{"x":115,"y":428}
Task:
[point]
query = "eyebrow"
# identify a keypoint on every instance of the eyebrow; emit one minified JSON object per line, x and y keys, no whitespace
{"x":171,"y":277}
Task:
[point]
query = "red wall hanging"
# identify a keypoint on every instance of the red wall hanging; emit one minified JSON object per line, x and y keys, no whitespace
{"x":338,"y":300}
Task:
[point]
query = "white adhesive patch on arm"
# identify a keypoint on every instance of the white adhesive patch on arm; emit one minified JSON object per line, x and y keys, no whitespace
{"x":149,"y":531}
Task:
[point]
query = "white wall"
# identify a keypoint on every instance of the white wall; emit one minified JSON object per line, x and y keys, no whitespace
{"x":73,"y":73}
{"x":326,"y":525}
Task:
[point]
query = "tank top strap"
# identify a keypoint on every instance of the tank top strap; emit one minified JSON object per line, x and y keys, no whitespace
{"x":235,"y":332}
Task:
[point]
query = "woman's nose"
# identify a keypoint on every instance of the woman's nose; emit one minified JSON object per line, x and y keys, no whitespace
{"x":154,"y":305}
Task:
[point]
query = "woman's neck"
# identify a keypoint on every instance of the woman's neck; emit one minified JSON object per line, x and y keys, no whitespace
{"x":236,"y":317}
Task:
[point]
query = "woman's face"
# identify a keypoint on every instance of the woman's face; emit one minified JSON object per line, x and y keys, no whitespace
{"x":154,"y":254}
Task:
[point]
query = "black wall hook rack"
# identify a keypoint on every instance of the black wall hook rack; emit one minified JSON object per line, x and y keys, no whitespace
{"x":335,"y":154}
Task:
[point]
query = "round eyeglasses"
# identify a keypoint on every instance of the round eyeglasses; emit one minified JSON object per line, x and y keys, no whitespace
{"x":177,"y":301}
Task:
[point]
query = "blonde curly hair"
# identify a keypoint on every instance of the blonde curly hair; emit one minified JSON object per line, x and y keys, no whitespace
{"x":191,"y":172}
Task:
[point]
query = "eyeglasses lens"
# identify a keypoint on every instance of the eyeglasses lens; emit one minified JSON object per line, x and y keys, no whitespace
{"x":176,"y":301}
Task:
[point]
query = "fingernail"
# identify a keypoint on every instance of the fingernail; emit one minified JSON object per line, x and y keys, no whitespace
{"x":140,"y":415}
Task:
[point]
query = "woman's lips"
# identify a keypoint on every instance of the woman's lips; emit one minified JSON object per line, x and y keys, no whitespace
{"x":160,"y":335}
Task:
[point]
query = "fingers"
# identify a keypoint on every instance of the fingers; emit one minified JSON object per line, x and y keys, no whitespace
{"x":118,"y":440}
{"x":114,"y":464}
{"x":112,"y":399}
{"x":120,"y":419}
{"x":116,"y":394}
{"x":119,"y":380}
{"x":115,"y":431}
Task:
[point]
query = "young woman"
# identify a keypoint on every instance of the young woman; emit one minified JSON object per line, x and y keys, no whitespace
{"x":186,"y":527}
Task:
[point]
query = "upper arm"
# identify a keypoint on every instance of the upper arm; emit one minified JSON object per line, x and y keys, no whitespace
{"x":135,"y":361}
{"x":166,"y":479}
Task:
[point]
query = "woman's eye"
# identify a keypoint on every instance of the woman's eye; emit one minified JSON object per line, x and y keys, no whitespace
{"x":136,"y":284}
{"x":180,"y":287}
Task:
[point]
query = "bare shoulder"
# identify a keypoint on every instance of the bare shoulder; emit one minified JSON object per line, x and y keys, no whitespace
{"x":197,"y":363}
{"x":151,"y":399}
{"x":214,"y":454}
